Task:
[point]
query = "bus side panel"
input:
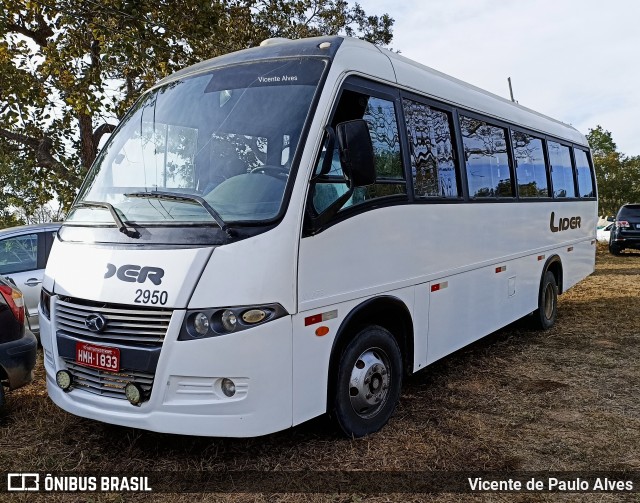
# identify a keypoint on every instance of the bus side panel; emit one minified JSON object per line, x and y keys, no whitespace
{"x":467,"y":306}
{"x":578,"y":261}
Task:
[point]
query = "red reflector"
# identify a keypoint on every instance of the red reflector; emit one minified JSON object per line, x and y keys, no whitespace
{"x":501,"y":269}
{"x":317,"y":318}
{"x":439,"y":286}
{"x":311,"y":320}
{"x":540,"y":257}
{"x":570,"y":249}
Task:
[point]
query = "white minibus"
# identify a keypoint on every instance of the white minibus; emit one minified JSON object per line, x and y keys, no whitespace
{"x":290,"y":230}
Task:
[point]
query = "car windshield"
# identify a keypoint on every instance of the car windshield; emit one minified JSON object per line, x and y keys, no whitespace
{"x":210,"y":148}
{"x":629,"y":211}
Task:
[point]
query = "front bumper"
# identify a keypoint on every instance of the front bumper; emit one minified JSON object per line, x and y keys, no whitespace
{"x":18,"y":358}
{"x":186,"y":397}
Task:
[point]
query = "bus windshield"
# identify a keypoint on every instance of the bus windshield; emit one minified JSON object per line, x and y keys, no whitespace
{"x":210,"y":148}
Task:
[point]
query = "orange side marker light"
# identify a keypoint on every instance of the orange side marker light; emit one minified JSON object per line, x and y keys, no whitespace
{"x":323,"y":330}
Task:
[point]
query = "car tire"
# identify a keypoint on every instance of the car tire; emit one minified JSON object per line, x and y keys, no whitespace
{"x":369,"y":378}
{"x":614,"y":250}
{"x":545,"y":315}
{"x":2,"y":399}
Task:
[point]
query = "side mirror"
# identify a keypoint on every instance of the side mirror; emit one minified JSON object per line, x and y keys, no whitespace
{"x":356,"y":153}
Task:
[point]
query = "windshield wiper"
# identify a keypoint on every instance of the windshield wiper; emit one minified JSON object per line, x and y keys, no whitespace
{"x":178,"y":196}
{"x":122,"y":227}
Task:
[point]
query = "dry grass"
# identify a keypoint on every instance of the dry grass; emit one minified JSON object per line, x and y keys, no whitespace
{"x":565,"y":399}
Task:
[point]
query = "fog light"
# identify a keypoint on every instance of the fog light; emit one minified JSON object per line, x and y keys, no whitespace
{"x":228,"y":387}
{"x":64,"y":379}
{"x":201,"y":323}
{"x":134,"y":393}
{"x":229,"y":320}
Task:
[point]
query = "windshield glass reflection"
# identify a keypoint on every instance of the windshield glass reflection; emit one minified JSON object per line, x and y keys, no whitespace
{"x":227,"y":136}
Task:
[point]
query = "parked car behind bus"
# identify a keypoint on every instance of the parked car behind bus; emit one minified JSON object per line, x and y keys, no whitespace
{"x":23,"y":255}
{"x":626,"y":231}
{"x":17,"y":344}
{"x":603,"y":234}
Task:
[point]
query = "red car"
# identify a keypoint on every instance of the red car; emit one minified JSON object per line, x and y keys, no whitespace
{"x":18,"y":345}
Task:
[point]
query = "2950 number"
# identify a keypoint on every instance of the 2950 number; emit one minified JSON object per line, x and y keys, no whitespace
{"x":151,"y":297}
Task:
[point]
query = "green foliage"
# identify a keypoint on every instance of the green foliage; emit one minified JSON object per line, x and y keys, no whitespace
{"x":618,"y":176}
{"x":71,"y":68}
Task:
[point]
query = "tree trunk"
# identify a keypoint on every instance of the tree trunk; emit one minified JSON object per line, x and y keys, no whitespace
{"x":88,"y":147}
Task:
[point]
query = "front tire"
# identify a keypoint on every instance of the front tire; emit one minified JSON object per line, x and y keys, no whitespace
{"x":368,"y":382}
{"x":547,"y":311}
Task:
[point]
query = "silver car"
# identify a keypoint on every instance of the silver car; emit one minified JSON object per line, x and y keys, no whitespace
{"x":23,"y":256}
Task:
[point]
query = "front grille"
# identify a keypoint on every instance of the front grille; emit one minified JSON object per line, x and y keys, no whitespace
{"x":138,"y":332}
{"x":109,"y":384}
{"x":124,"y":325}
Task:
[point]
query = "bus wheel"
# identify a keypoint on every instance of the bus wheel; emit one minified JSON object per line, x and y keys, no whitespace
{"x":547,"y":302}
{"x":368,"y":383}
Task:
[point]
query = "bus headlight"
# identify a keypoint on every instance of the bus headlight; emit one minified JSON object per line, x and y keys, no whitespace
{"x":229,"y":320}
{"x":200,"y":323}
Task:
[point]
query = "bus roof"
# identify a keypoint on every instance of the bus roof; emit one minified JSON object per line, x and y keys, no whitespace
{"x":360,"y":56}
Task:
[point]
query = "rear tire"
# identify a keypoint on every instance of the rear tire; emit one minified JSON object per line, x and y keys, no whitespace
{"x":614,"y":250}
{"x":368,"y":383}
{"x":545,"y":315}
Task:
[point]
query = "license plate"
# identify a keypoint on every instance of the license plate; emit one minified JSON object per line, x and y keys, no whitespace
{"x":637,"y":226}
{"x":98,"y":357}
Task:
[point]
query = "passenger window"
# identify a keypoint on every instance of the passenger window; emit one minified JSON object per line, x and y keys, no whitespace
{"x":585,"y":182}
{"x":380,"y":116}
{"x":19,"y":254}
{"x":487,"y":160}
{"x":531,"y":170}
{"x":561,"y":170}
{"x":432,"y":153}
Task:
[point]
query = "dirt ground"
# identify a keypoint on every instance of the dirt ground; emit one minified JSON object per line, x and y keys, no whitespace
{"x":519,"y":400}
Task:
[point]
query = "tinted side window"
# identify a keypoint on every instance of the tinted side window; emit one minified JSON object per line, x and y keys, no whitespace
{"x":487,"y":160}
{"x":561,"y":170}
{"x":19,"y":254}
{"x":431,"y":147}
{"x":380,"y":115}
{"x":531,"y":169}
{"x":583,"y":170}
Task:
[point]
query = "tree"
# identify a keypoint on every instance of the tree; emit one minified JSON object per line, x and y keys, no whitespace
{"x":618,"y":176}
{"x":71,"y":68}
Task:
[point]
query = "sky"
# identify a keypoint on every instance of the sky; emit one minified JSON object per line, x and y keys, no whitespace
{"x":577,"y":61}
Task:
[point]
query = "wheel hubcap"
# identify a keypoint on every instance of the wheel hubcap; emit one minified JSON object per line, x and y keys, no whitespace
{"x":369,"y":382}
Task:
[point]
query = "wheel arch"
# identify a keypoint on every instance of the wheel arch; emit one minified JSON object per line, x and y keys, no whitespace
{"x":386,"y":311}
{"x":554,"y":265}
